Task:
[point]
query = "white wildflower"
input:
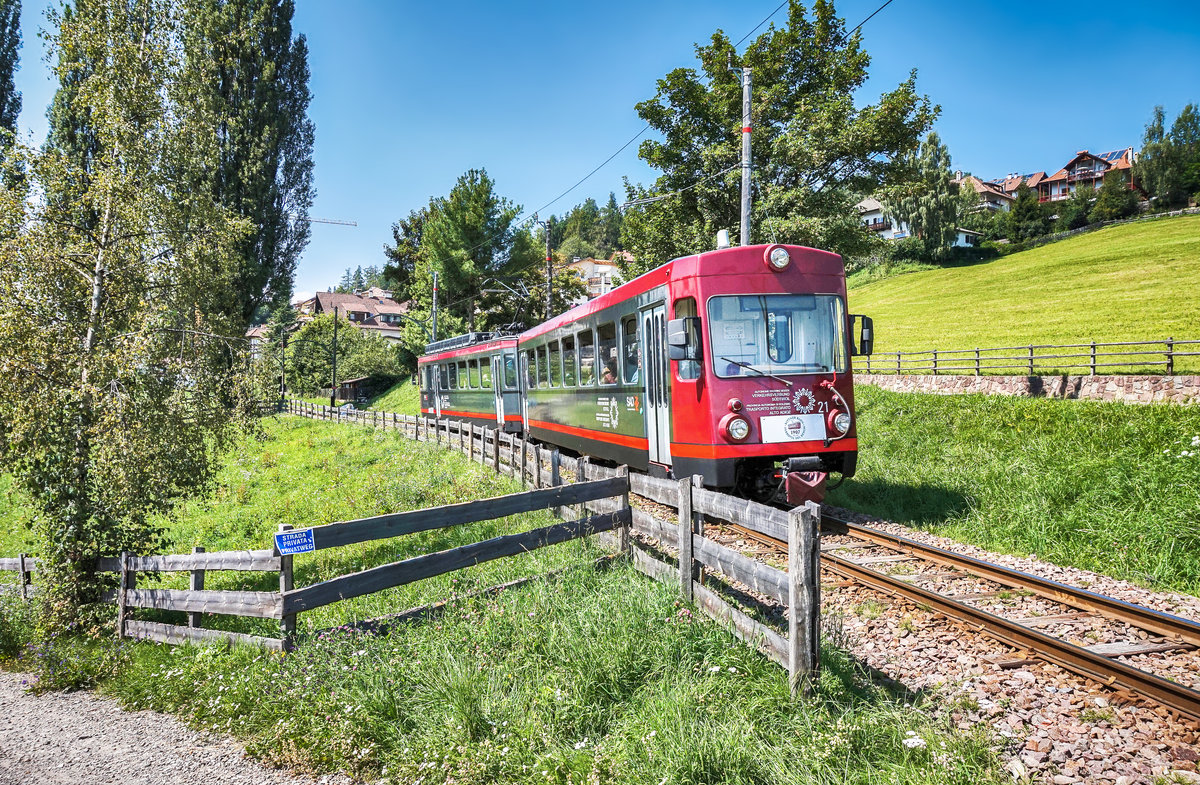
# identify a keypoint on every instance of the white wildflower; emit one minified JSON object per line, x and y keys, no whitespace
{"x":715,"y":669}
{"x":914,"y":742}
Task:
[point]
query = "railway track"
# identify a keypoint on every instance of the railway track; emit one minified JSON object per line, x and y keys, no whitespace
{"x":977,"y":594}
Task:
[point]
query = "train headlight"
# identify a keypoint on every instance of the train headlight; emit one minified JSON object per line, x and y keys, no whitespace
{"x":736,"y":429}
{"x":840,"y":421}
{"x":778,"y":258}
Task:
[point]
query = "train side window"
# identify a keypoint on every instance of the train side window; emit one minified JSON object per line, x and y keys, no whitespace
{"x":555,"y":363}
{"x":587,"y":359}
{"x":452,"y":371}
{"x":606,"y":341}
{"x":473,"y":371}
{"x":530,"y":369}
{"x":543,"y":377}
{"x":464,"y":379}
{"x":686,"y":369}
{"x":631,"y":360}
{"x":568,"y":350}
{"x":485,"y":372}
{"x":510,"y":371}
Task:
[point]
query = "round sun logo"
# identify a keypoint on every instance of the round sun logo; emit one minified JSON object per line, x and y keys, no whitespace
{"x":804,"y":400}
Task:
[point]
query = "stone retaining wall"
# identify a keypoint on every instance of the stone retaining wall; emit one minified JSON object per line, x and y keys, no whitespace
{"x":1131,"y":389}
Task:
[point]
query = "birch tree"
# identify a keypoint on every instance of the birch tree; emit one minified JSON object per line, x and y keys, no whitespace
{"x":117,"y":367}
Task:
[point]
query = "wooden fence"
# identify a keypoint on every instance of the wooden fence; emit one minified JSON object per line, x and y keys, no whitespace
{"x":24,"y":566}
{"x":595,"y":502}
{"x":1035,"y":359}
{"x":701,"y":567}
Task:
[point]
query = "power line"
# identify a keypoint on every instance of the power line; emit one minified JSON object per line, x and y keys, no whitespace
{"x":760,"y":24}
{"x":660,"y":197}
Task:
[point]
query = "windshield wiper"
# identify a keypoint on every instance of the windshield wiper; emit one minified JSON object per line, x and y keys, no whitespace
{"x":757,"y":371}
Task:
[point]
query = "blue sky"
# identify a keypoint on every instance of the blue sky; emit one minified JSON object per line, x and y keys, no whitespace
{"x":407,"y":96}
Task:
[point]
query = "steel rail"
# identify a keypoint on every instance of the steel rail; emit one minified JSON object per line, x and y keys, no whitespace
{"x":1109,"y":672}
{"x":1168,"y":625}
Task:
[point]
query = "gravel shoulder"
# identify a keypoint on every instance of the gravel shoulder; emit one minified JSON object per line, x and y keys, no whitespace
{"x":84,"y":739}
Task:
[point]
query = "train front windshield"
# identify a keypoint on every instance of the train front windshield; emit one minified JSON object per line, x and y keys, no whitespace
{"x":777,"y":334}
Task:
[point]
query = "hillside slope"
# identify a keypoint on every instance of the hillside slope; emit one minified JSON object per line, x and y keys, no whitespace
{"x":1125,"y":283}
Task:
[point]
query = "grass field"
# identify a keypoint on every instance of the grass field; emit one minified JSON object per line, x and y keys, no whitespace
{"x":402,"y":398}
{"x":1125,"y":283}
{"x":587,"y":678}
{"x":1109,"y":487}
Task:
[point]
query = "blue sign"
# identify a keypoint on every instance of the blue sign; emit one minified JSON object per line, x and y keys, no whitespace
{"x":299,"y":541}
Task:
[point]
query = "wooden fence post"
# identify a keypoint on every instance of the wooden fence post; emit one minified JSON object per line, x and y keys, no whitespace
{"x":196,"y":583}
{"x":1031,"y":359}
{"x":623,"y":542}
{"x":897,"y":363}
{"x":804,"y":597}
{"x":122,"y":588}
{"x":976,"y":360}
{"x":22,"y":576}
{"x":556,"y":476}
{"x":686,"y":561}
{"x":935,"y":363}
{"x":524,"y":460}
{"x":1171,"y":356}
{"x":287,"y":625}
{"x":496,"y":448}
{"x":1093,"y":358}
{"x":581,"y":473}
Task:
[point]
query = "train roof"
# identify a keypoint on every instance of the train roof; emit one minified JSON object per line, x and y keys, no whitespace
{"x":466,"y":344}
{"x":723,"y":261}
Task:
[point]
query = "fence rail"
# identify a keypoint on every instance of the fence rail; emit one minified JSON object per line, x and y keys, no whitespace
{"x":1033,"y":359}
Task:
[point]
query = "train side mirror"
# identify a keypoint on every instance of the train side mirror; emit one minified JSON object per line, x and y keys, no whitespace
{"x":683,"y":338}
{"x":866,"y":335}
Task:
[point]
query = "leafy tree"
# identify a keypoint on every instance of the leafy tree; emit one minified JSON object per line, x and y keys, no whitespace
{"x":1114,"y":200}
{"x":1026,"y":219}
{"x":928,"y":202}
{"x":10,"y":44}
{"x":115,"y":368}
{"x":815,"y":148}
{"x":576,"y":246}
{"x":1073,"y":212}
{"x":1185,"y":136}
{"x":402,"y":255}
{"x":1168,"y":168}
{"x":359,"y":353}
{"x":265,"y":166}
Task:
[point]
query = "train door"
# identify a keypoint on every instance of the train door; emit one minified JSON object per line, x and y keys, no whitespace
{"x":522,"y":375}
{"x":657,"y":397}
{"x":435,"y":389}
{"x":498,"y":387}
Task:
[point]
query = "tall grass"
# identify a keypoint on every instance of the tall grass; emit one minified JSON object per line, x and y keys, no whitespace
{"x":1123,"y":283}
{"x":1109,"y":487}
{"x":594,"y":677}
{"x":584,"y":677}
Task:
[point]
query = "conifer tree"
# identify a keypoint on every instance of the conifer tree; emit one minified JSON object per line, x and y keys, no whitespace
{"x":1114,"y":200}
{"x":1026,"y":219}
{"x":928,"y":202}
{"x":265,"y":167}
{"x":10,"y":44}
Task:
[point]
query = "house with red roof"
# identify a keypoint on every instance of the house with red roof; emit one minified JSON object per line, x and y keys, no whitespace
{"x":373,"y":310}
{"x":1086,"y":170}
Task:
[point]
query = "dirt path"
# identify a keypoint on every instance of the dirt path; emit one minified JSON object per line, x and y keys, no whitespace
{"x":83,"y":739}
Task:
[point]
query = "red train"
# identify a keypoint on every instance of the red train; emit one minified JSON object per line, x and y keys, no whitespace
{"x":733,"y":364}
